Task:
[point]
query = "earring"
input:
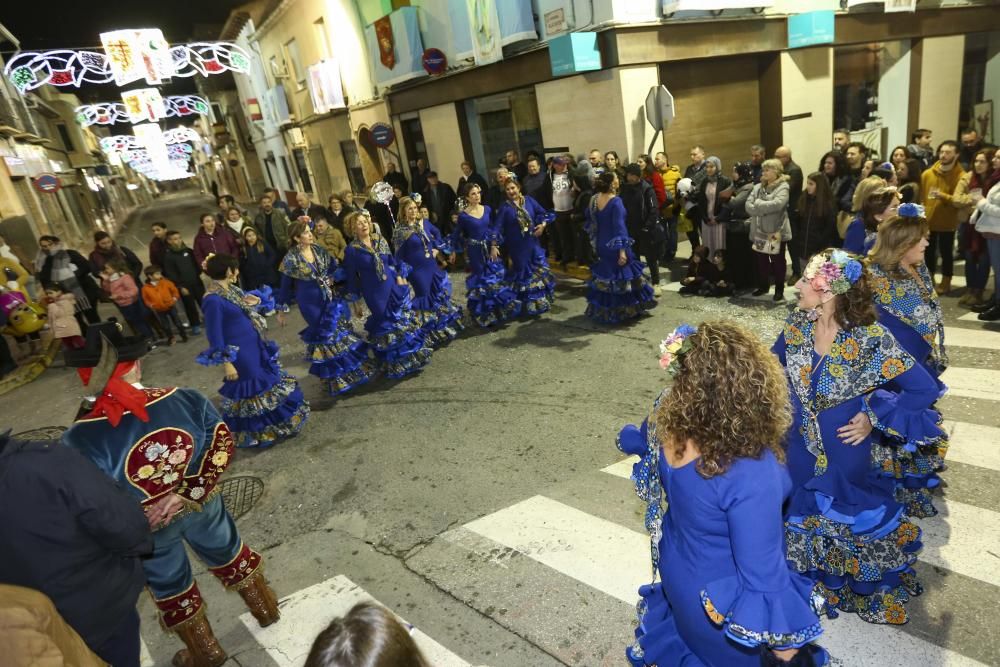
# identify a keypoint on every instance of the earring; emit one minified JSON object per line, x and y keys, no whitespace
{"x":814,"y":314}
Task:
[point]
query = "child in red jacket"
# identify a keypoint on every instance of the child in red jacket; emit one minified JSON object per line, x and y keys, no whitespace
{"x":161,"y":296}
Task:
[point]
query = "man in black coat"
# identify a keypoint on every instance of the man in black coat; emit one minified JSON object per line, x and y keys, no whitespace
{"x":470,"y":175}
{"x":307,"y":208}
{"x":70,"y":532}
{"x":73,"y":273}
{"x":106,"y":250}
{"x":439,"y":198}
{"x":419,"y":174}
{"x":181,"y":268}
{"x":395,"y":177}
{"x":642,"y":214}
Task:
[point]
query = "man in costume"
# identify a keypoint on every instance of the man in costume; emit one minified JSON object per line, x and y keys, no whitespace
{"x":169,"y":448}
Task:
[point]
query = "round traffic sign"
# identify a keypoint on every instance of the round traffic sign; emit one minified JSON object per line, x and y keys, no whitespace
{"x":382,"y":134}
{"x":435,"y":61}
{"x":47,"y":183}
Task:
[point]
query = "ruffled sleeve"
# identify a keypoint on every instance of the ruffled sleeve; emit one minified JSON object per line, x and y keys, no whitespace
{"x":285,"y":289}
{"x":266,"y":296}
{"x":352,"y":275}
{"x":765,"y":603}
{"x":902,"y":409}
{"x":218,"y":351}
{"x":457,"y":238}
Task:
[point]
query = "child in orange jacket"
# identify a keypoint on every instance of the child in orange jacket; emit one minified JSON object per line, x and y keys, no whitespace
{"x":161,"y":296}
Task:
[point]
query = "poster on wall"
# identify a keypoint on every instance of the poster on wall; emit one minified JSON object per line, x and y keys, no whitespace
{"x":484,"y":22}
{"x":671,"y":6}
{"x":325,"y":87}
{"x":982,"y":118}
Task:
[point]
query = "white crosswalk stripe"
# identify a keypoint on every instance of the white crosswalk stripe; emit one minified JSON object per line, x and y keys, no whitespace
{"x":973,"y":444}
{"x":978,"y":383}
{"x":981,"y":338}
{"x":307,"y":612}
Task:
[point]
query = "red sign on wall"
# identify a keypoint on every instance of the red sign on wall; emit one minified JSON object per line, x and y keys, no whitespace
{"x":47,"y":183}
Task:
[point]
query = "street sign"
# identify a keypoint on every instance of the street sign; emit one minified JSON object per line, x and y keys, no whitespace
{"x":435,"y":61}
{"x":382,"y":134}
{"x":659,"y":107}
{"x":47,"y":183}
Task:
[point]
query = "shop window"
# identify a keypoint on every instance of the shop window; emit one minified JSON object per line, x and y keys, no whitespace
{"x":292,"y":57}
{"x":856,"y":73}
{"x":413,"y":140}
{"x":499,"y":123}
{"x":302,"y":169}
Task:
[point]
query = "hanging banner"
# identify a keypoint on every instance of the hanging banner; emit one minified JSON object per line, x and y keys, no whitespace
{"x":485,"y":25}
{"x":138,"y":54}
{"x":386,"y":42}
{"x":324,"y":86}
{"x":892,"y":6}
{"x":144,"y":105}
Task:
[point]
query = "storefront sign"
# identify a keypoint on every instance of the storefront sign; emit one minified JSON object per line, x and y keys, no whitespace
{"x":555,"y":22}
{"x":47,"y":183}
{"x":810,"y":28}
{"x":900,"y":6}
{"x":574,"y":53}
{"x":435,"y":61}
{"x":325,"y":87}
{"x":383,"y":135}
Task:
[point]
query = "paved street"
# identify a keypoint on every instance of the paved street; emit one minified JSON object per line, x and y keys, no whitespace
{"x":484,"y":500}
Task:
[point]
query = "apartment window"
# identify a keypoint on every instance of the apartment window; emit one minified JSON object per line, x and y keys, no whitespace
{"x":302,"y":167}
{"x":288,"y":173}
{"x":67,"y":140}
{"x":292,"y":57}
{"x":322,"y":38}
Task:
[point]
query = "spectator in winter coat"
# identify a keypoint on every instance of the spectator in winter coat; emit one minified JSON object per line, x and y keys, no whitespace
{"x":815,"y":226}
{"x":768,"y":209}
{"x":741,"y":261}
{"x":273,"y":223}
{"x":87,"y":558}
{"x":61,"y":306}
{"x":439,"y":198}
{"x":419,"y":176}
{"x":470,"y":175}
{"x":158,"y":244}
{"x":921,"y":148}
{"x":669,"y":174}
{"x":937,"y":186}
{"x":257,"y":261}
{"x":71,"y":271}
{"x":537,"y":184}
{"x":119,"y":285}
{"x":105,"y":250}
{"x":336,"y":210}
{"x":212,"y":239}
{"x":642,"y":215}
{"x":276,"y":200}
{"x":305,"y":208}
{"x":710,"y":196}
{"x":784,"y":155}
{"x":330,"y":238}
{"x":395,"y":178}
{"x":161,"y":296}
{"x":182,"y":269}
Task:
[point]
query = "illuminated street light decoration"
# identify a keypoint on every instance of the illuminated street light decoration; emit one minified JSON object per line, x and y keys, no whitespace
{"x":144,"y":104}
{"x":66,"y":67}
{"x":125,"y":142}
{"x":179,"y":135}
{"x":112,"y":113}
{"x":138,"y":54}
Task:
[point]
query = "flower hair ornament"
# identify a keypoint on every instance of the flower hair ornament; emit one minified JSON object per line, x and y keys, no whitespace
{"x":910,"y":210}
{"x":834,"y":275}
{"x":417,"y":199}
{"x":675,"y":346}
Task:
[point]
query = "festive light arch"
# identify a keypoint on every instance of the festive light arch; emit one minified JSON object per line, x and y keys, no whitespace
{"x":113,"y":113}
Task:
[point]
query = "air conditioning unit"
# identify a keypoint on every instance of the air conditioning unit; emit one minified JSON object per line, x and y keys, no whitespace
{"x":295,"y":135}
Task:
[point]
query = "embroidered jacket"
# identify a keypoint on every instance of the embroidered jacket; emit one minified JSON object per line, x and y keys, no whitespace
{"x":184,"y":447}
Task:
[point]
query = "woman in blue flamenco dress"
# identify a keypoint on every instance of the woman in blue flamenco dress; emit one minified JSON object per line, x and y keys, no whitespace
{"x":712,"y":450}
{"x":618,"y":291}
{"x":490,"y":299}
{"x":337,"y":357}
{"x":261,"y":403}
{"x":420,"y":246}
{"x":849,"y":377}
{"x":908,"y":306}
{"x":521,"y":220}
{"x":373,"y":274}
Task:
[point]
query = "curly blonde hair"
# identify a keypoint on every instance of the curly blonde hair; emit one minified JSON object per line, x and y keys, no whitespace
{"x":730,"y":397}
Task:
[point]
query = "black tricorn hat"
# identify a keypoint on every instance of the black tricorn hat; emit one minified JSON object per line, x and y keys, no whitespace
{"x":125,"y":348}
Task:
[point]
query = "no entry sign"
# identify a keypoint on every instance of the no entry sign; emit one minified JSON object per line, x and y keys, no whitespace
{"x":383,"y":135}
{"x":47,"y":183}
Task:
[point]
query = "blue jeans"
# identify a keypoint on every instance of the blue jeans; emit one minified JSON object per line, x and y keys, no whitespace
{"x":977,"y":271}
{"x":211,"y":534}
{"x":135,"y":315}
{"x":993,"y":245}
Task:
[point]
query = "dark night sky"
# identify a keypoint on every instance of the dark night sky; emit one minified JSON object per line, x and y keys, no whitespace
{"x":41,"y":25}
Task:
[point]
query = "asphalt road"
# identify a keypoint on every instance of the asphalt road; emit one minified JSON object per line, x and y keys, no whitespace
{"x":476,"y":500}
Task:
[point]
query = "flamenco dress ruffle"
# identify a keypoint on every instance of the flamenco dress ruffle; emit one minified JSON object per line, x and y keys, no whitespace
{"x":261,"y":408}
{"x":856,"y":544}
{"x":533,"y":283}
{"x":397,"y":338}
{"x":438,"y":316}
{"x":618,"y":293}
{"x":490,"y":300}
{"x":913,"y":462}
{"x":336,"y":356}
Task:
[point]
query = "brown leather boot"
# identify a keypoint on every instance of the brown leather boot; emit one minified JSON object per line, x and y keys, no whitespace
{"x":260,"y":599}
{"x":944,"y":286}
{"x":203,"y":648}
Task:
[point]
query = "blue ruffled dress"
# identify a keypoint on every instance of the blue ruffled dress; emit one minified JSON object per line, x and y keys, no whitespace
{"x":394,"y":332}
{"x":843,"y":526}
{"x":615,"y":293}
{"x":440,"y":318}
{"x":725,"y":593}
{"x":337,"y":357}
{"x":909,"y":307}
{"x":857,"y":239}
{"x":265,"y":404}
{"x":529,"y":275}
{"x":490,"y":298}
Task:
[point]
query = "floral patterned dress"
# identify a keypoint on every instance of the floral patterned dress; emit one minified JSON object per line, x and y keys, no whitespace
{"x":909,"y":307}
{"x":529,"y":275}
{"x":439,"y":316}
{"x":843,"y":526}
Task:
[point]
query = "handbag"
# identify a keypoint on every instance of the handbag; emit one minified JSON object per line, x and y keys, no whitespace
{"x":768,"y":245}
